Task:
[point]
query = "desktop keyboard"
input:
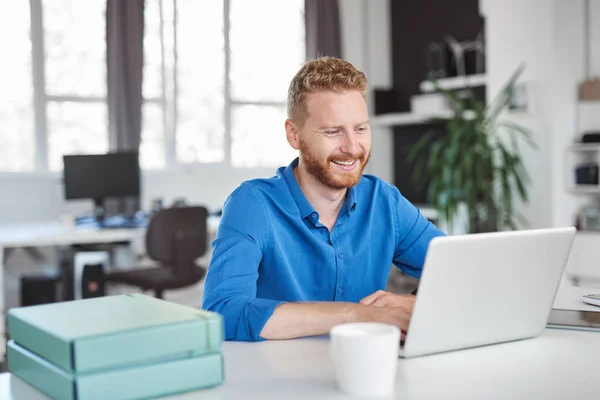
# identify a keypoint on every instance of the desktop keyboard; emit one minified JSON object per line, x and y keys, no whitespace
{"x":115,"y":222}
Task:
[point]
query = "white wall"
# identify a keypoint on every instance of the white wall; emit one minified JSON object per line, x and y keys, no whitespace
{"x":527,"y":41}
{"x":570,"y":64}
{"x":35,"y":197}
{"x":594,"y":37}
{"x":366,"y":43}
{"x":549,"y":36}
{"x":546,"y":35}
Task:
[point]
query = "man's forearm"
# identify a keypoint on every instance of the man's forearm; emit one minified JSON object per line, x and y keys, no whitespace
{"x":293,"y":320}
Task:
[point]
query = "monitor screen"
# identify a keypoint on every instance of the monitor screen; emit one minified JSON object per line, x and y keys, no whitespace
{"x":101,"y":176}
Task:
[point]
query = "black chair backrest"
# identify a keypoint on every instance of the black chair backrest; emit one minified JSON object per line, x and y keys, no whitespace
{"x":177,"y":236}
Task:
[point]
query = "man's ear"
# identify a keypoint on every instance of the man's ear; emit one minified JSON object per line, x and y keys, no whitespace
{"x":291,"y":132}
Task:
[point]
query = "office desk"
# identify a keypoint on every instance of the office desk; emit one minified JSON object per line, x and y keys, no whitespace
{"x":560,"y":364}
{"x":54,"y":234}
{"x":557,"y":365}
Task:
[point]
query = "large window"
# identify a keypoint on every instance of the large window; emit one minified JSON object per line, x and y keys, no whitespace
{"x":218,"y":71}
{"x":265,"y":54}
{"x":75,"y":78}
{"x":53,"y":97}
{"x":215,"y":81}
{"x":17,"y":139}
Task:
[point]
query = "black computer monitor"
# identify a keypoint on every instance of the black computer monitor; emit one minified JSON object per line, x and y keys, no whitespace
{"x":101,"y":176}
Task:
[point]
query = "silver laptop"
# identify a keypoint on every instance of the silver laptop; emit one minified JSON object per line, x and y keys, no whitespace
{"x":486,"y":288}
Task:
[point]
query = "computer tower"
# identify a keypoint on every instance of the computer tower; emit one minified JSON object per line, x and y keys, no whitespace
{"x":40,"y":289}
{"x":88,"y":273}
{"x":92,"y":281}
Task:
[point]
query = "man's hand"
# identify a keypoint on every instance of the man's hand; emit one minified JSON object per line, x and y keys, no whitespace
{"x":386,"y":299}
{"x":397,"y":316}
{"x":388,"y":307}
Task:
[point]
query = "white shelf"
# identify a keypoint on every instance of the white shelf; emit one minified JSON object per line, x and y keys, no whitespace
{"x":429,"y":213}
{"x":396,"y":119}
{"x":585,"y":147}
{"x":456,"y":82}
{"x":585,"y":189}
{"x":406,"y":118}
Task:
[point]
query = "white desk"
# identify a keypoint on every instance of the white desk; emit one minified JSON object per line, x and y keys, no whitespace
{"x":560,"y":364}
{"x":54,"y":234}
{"x":557,"y":365}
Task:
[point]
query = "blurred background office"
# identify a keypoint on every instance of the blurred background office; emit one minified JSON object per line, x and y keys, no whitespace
{"x":195,"y":93}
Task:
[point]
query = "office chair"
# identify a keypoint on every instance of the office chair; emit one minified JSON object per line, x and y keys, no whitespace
{"x":175,"y":238}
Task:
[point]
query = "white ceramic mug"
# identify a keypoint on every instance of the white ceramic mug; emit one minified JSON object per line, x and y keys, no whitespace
{"x":365,"y":356}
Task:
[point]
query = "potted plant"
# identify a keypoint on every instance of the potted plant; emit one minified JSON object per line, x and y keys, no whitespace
{"x":476,"y":163}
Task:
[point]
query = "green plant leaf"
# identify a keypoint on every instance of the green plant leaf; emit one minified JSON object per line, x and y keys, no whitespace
{"x":477,"y":162}
{"x":525,"y":133}
{"x":435,"y":155}
{"x":418,"y":176}
{"x":521,"y":218}
{"x":520,"y":187}
{"x":501,"y":100}
{"x":416,"y":149}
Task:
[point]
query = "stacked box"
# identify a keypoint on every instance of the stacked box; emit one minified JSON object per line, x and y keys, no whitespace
{"x":117,"y":347}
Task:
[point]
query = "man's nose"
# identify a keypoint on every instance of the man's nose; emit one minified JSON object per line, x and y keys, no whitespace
{"x":350,"y":144}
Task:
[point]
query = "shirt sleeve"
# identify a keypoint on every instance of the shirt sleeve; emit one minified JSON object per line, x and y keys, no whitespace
{"x":413,"y":234}
{"x":230,"y":284}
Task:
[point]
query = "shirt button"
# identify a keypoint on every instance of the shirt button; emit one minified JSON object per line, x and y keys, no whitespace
{"x":314,"y":215}
{"x":340,"y":255}
{"x":340,"y":290}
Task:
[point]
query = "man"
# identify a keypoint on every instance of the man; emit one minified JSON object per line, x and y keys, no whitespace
{"x":312,"y":247}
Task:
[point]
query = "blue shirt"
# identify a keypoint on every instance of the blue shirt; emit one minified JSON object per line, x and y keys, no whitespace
{"x":271,"y":248}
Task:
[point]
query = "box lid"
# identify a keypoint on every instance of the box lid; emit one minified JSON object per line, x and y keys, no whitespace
{"x":114,"y":331}
{"x":139,"y":382}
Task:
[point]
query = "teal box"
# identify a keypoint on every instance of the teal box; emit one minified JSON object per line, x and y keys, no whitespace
{"x":112,"y":332}
{"x":140,"y":382}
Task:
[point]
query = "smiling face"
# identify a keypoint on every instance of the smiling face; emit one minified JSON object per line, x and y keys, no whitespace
{"x":334,"y":140}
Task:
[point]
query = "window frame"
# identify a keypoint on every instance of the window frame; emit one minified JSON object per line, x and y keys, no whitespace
{"x":167,"y":101}
{"x":41,"y":98}
{"x":170,"y":132}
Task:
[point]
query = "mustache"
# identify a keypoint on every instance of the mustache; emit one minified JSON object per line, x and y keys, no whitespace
{"x":345,"y":157}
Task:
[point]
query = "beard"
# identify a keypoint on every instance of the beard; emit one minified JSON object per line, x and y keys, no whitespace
{"x":326,"y":173}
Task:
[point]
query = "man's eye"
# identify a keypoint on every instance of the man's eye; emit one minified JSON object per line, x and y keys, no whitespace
{"x":331,"y":132}
{"x":362,"y":129}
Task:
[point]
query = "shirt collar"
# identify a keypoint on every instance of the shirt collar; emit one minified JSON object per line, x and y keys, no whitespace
{"x":351,"y":198}
{"x":303,"y":205}
{"x":301,"y":201}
